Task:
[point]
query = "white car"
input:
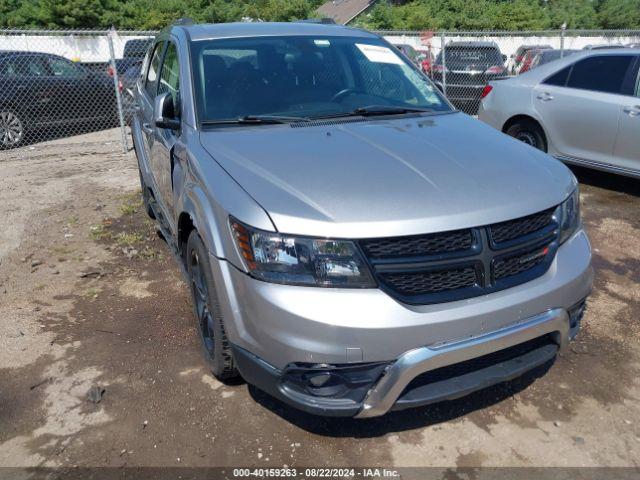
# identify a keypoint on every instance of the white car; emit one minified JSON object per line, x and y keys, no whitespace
{"x":583,"y":109}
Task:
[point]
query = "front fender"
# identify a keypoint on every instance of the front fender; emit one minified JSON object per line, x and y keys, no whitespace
{"x":209,"y":201}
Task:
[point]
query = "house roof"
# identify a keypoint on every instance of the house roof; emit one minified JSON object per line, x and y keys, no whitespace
{"x":343,"y":11}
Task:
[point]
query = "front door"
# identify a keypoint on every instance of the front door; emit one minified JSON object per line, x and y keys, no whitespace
{"x":627,"y":148}
{"x":162,"y":156}
{"x":146,"y":101}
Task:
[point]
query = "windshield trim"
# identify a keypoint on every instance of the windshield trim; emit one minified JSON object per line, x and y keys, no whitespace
{"x":447,"y":106}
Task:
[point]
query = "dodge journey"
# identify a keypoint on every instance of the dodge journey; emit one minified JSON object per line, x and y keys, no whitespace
{"x":353,"y":243}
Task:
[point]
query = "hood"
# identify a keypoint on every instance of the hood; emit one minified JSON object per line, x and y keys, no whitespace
{"x":388,"y":177}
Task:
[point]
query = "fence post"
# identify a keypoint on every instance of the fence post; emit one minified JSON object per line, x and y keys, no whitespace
{"x":116,"y":86}
{"x":444,"y":63}
{"x":563,"y":28}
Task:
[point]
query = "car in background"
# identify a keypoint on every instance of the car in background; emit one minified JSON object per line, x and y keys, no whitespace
{"x":525,"y":65}
{"x":464,"y":71}
{"x":44,"y":92}
{"x":546,"y":56}
{"x":427,"y":61}
{"x":583,"y":109}
{"x":132,"y":55}
{"x":409,"y":51}
{"x":603,"y":46}
{"x":516,"y":58}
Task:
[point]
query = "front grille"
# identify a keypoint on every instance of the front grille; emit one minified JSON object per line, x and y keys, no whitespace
{"x":421,"y":283}
{"x":431,"y":244}
{"x":449,"y":266}
{"x":505,"y":231}
{"x":516,"y":264}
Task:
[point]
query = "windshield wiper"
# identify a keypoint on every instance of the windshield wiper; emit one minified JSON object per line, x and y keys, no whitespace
{"x":257,"y":120}
{"x":374,"y":110}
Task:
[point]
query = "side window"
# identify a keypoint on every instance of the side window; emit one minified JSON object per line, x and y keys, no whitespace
{"x":603,"y":73}
{"x":559,"y":79}
{"x":170,"y":74}
{"x":8,"y":68}
{"x":35,"y":67}
{"x":636,"y":90}
{"x":151,"y":82}
{"x":61,"y":67}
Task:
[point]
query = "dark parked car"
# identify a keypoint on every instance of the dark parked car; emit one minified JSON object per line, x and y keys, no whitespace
{"x":40,"y":91}
{"x":466,"y":69}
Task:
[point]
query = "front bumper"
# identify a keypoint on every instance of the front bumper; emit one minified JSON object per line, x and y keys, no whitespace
{"x":276,"y":327}
{"x":397,"y":385}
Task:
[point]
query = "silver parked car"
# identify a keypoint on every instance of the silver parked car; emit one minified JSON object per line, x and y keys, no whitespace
{"x":583,"y":109}
{"x":353,"y":243}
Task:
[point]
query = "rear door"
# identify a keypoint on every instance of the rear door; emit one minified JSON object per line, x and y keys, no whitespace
{"x":627,"y":147}
{"x":580,"y":107}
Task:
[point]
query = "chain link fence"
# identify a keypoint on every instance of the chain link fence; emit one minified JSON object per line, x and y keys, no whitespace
{"x":61,"y":83}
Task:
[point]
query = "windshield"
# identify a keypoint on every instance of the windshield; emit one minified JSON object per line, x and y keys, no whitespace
{"x":305,"y":77}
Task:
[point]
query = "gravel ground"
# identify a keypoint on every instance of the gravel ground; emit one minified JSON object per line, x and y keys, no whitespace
{"x":90,"y":298}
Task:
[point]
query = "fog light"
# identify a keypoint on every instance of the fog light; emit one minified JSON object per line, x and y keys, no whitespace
{"x":319,"y":379}
{"x":349,"y":381}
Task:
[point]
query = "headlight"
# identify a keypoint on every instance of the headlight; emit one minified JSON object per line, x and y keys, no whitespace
{"x":569,"y":215}
{"x":277,"y":258}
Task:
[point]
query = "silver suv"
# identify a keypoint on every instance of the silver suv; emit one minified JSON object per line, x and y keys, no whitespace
{"x":353,"y":243}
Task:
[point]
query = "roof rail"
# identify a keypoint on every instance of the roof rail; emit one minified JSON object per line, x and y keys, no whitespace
{"x":324,"y":21}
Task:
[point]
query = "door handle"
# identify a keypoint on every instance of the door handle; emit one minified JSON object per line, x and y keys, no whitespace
{"x":146,"y":128}
{"x":633,"y":111}
{"x":544,"y":97}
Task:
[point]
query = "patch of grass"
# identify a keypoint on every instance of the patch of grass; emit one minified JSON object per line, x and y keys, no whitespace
{"x":99,"y":232}
{"x":73,"y":220}
{"x":92,"y":292}
{"x":132,"y":203}
{"x":129,"y":239}
{"x":61,"y":250}
{"x":149,"y":253}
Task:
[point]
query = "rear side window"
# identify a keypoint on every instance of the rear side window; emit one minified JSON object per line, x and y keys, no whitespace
{"x":606,"y":73}
{"x":61,"y":67}
{"x":23,"y":66}
{"x":559,"y":79}
{"x":151,"y":82}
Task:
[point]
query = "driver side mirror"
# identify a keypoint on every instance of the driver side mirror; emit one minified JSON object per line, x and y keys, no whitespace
{"x":164,"y":112}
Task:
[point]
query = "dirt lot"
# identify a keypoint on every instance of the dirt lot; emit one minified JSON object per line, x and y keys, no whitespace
{"x":89,"y":297}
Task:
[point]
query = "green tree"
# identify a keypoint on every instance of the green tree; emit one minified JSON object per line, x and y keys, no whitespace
{"x":521,"y":15}
{"x":576,"y":13}
{"x":620,"y":14}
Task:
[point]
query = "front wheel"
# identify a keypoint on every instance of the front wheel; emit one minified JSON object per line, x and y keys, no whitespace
{"x":12,"y":129}
{"x":215,"y":345}
{"x":528,"y":132}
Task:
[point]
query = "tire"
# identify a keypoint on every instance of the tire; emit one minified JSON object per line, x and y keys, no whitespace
{"x":210,"y":324}
{"x":146,"y":197}
{"x":12,"y":129}
{"x":528,"y":132}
